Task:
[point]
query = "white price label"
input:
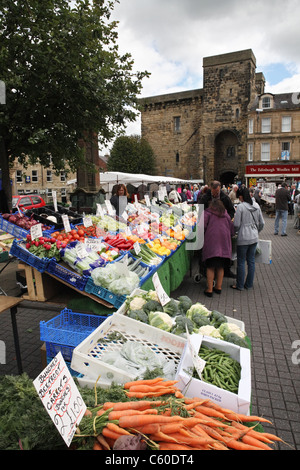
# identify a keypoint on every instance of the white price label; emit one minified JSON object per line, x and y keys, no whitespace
{"x":61,"y":397}
{"x":99,"y":211}
{"x":199,"y":363}
{"x":125,"y":216}
{"x":36,"y":231}
{"x":54,"y":200}
{"x":161,"y":293}
{"x":137,"y":247}
{"x":128,"y":232}
{"x":147,"y":200}
{"x":81,"y":251}
{"x":66,"y":222}
{"x":94,"y":244}
{"x":109,"y":207}
{"x":87,"y":221}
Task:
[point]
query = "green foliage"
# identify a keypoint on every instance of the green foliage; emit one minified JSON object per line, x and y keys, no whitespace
{"x":131,"y":154}
{"x":65,"y":79}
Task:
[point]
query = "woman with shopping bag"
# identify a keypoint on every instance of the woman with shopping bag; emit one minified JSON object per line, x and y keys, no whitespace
{"x":248,"y":223}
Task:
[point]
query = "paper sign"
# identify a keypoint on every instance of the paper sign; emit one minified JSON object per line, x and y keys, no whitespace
{"x":36,"y":231}
{"x":100,"y":211}
{"x":199,"y":363}
{"x":94,"y":244}
{"x":66,"y":222}
{"x":61,"y":397}
{"x":137,"y":247}
{"x":87,"y":221}
{"x":109,"y":207}
{"x":162,"y":295}
{"x":54,"y":200}
{"x":147,"y":200}
{"x":81,"y":251}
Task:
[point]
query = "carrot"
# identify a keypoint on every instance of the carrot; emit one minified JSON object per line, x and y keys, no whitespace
{"x":140,"y":420}
{"x":88,"y":412}
{"x":219,"y":446}
{"x":97,"y":445}
{"x":117,"y":414}
{"x":195,"y":405}
{"x":255,"y":442}
{"x":258,"y":435}
{"x":103,"y":442}
{"x":210,"y":412}
{"x":114,"y":427}
{"x":131,"y":405}
{"x":110,"y":434}
{"x":186,"y":423}
{"x":158,"y":393}
{"x":245,"y":418}
{"x":174,"y":446}
{"x":144,"y":382}
{"x":178,"y":394}
{"x":239,"y":445}
{"x":150,"y":428}
{"x":151,"y":388}
{"x":180,"y":438}
{"x":208,"y":420}
{"x":210,"y":432}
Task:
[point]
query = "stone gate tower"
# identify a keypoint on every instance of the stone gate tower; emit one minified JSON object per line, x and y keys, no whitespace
{"x":229,"y":85}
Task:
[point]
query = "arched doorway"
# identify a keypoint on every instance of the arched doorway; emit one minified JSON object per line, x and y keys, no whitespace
{"x":226,"y":156}
{"x":227,"y":178}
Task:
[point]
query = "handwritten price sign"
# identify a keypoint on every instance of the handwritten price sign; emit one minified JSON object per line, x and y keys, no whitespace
{"x":61,"y":398}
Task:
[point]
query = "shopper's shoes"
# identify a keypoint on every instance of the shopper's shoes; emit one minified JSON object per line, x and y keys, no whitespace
{"x":235,"y":288}
{"x":276,"y":233}
{"x":208,"y":294}
{"x":217,"y":291}
{"x":284,"y":234}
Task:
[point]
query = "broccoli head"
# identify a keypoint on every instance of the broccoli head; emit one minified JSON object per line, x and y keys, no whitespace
{"x":139,"y":315}
{"x":217,"y":318}
{"x":184,"y":303}
{"x":181,"y":322}
{"x":171,"y":308}
{"x":200,"y":320}
{"x":152,"y":306}
{"x":235,"y":339}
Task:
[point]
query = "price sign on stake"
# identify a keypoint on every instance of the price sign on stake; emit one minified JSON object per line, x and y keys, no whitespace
{"x":54,"y":197}
{"x":199,"y":363}
{"x":66,"y":222}
{"x":36,"y":231}
{"x":162,"y":295}
{"x":61,"y":397}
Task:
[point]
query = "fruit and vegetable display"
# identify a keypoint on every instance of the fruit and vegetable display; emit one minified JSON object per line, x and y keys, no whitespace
{"x":23,"y":221}
{"x":148,"y":414}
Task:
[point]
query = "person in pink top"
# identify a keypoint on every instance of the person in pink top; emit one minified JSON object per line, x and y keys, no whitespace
{"x":217,"y":247}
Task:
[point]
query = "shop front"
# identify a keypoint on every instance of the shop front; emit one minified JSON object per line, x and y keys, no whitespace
{"x":272,"y":173}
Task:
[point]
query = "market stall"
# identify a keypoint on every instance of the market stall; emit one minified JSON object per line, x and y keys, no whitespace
{"x":190,"y":364}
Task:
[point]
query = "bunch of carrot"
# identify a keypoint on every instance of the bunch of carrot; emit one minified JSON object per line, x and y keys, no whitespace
{"x":175,"y":422}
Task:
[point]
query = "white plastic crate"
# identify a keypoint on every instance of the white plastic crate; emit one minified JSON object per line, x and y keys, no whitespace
{"x":137,"y":291}
{"x":87,"y":355}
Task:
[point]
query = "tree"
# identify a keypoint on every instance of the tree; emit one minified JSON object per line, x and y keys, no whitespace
{"x":131,"y":154}
{"x":65,"y":80}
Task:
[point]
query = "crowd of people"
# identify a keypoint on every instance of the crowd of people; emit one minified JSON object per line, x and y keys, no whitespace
{"x":230,"y":215}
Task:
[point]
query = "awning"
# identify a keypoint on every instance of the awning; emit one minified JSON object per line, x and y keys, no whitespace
{"x":117,"y":177}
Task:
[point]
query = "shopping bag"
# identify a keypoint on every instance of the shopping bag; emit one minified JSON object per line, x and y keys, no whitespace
{"x":264,"y":252}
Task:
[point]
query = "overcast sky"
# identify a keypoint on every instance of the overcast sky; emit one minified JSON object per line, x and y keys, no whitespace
{"x":170,"y":38}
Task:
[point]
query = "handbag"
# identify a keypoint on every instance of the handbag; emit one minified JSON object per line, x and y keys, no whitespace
{"x":264,"y":252}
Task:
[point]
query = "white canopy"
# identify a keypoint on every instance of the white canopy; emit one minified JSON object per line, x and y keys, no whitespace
{"x":117,"y":177}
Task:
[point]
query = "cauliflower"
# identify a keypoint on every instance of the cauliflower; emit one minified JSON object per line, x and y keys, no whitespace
{"x":198,"y":308}
{"x":152,"y":295}
{"x":209,"y":330}
{"x":136,"y":303}
{"x":227,"y":328}
{"x":160,"y":320}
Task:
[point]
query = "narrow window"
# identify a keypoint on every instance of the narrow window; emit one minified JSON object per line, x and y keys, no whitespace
{"x":250,"y":126}
{"x":286,"y":124}
{"x":250,"y":152}
{"x":265,"y":151}
{"x":34,"y":176}
{"x":177,"y":157}
{"x":177,"y":124}
{"x":49,"y":176}
{"x":266,"y":102}
{"x":266,"y":125}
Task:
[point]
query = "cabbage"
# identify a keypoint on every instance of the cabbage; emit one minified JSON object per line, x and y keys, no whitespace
{"x":160,"y":320}
{"x":209,"y":330}
{"x":111,"y":278}
{"x":227,"y":328}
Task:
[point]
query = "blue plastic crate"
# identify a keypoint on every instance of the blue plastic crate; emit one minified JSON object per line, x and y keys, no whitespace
{"x":70,"y":277}
{"x":73,"y":372}
{"x":65,"y":331}
{"x":19,"y":232}
{"x":20,"y":251}
{"x":104,"y":294}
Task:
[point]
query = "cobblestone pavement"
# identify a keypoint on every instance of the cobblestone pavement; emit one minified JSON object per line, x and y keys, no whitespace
{"x":270,"y":312}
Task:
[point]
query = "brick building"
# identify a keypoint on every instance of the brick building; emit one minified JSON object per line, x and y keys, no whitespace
{"x":204,"y":133}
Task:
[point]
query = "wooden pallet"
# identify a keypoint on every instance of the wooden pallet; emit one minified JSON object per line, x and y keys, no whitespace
{"x":44,"y":287}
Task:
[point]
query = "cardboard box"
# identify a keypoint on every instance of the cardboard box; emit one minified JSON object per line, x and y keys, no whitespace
{"x":192,"y":387}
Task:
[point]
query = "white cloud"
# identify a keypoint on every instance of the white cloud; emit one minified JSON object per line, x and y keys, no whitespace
{"x":170,"y":38}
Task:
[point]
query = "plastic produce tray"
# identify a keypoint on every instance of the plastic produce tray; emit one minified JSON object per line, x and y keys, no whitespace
{"x":104,"y":294}
{"x":17,"y":231}
{"x":86,"y":357}
{"x":20,"y":251}
{"x":70,"y":277}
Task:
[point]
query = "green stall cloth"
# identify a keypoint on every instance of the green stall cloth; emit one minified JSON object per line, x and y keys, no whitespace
{"x":171,"y":273}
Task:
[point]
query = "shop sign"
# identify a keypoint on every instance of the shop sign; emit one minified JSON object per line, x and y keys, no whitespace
{"x":272,"y":170}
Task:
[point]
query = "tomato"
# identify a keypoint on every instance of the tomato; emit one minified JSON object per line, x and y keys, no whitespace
{"x":59,"y":237}
{"x":81,"y":232}
{"x":76,"y":236}
{"x":73,"y":232}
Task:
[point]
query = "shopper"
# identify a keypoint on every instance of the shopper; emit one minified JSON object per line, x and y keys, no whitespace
{"x":282,"y":198}
{"x":217,"y":248}
{"x":215,"y":192}
{"x":174,"y":195}
{"x":232,"y":193}
{"x":297,"y":212}
{"x":120,"y":199}
{"x":248,"y":223}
